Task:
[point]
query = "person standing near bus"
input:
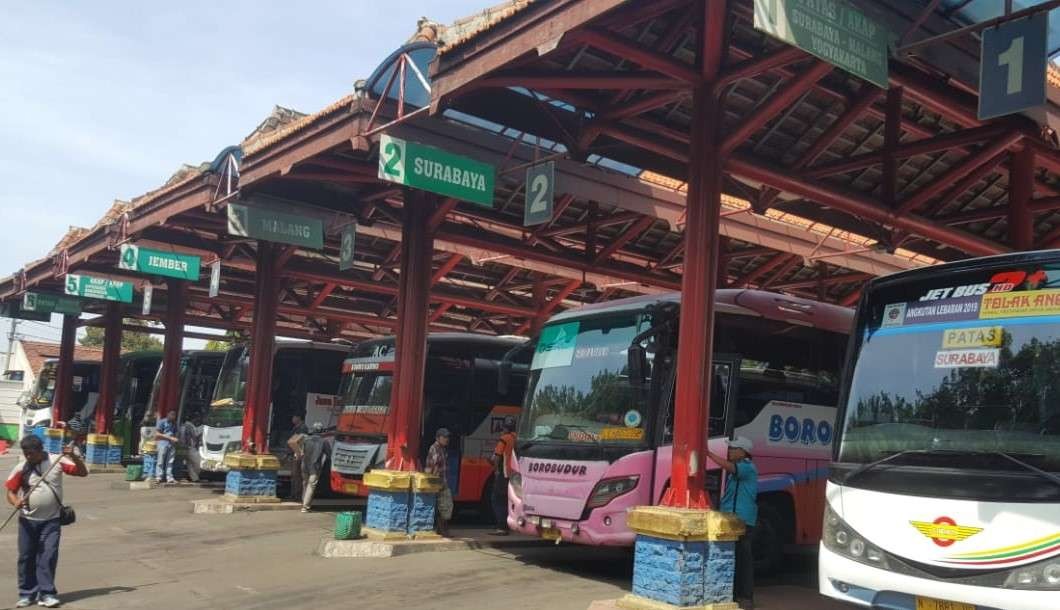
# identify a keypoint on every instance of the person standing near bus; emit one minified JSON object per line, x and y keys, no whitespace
{"x":294,"y":444}
{"x":438,"y":465}
{"x":165,"y":442}
{"x":502,"y":470}
{"x":741,"y":497}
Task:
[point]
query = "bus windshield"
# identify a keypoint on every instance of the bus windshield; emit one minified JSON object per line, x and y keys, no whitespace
{"x":579,"y":389}
{"x":44,"y":389}
{"x":226,"y":409}
{"x":965,"y":366}
{"x":365,"y":398}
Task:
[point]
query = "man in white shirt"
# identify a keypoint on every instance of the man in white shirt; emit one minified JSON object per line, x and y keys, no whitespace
{"x":35,"y":487}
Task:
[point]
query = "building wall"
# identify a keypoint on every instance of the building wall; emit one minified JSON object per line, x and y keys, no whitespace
{"x":10,"y":412}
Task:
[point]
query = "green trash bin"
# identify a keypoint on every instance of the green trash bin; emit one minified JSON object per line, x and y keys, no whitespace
{"x":134,"y":472}
{"x":347,"y":526}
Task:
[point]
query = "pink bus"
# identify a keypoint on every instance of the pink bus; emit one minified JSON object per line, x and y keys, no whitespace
{"x":595,"y":436}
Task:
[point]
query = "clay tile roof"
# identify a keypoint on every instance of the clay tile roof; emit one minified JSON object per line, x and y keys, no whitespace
{"x":279,"y":118}
{"x":38,"y":352}
{"x":266,"y":135}
{"x":73,"y":234}
{"x":462,"y":30}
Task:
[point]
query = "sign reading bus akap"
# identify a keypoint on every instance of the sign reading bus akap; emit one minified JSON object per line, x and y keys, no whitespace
{"x":98,"y":288}
{"x":431,"y":169}
{"x":159,"y":262}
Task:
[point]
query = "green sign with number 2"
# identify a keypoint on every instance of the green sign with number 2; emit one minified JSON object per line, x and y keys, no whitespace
{"x":431,"y":169}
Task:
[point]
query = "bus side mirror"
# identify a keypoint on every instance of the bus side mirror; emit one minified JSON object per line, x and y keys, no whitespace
{"x":504,"y":377}
{"x":637,"y":364}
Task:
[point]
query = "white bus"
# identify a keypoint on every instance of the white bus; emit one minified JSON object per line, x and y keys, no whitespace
{"x":944,"y":491}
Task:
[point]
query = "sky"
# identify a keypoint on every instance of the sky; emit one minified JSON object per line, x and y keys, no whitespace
{"x":105,"y":100}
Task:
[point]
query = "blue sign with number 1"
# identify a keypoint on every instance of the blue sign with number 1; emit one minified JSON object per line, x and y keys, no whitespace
{"x":1012,"y":68}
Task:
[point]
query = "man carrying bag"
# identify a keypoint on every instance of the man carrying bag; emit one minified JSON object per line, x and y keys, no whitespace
{"x":35,"y":489}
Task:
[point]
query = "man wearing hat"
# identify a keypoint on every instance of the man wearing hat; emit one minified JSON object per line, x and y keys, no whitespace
{"x":438,"y":465}
{"x":741,"y":497}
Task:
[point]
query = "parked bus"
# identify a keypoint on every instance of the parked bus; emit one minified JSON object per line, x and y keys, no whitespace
{"x":199,"y":370}
{"x":38,"y":411}
{"x":944,"y":490}
{"x":136,"y":374}
{"x":305,"y":381}
{"x":597,"y":432}
{"x":461,"y":394}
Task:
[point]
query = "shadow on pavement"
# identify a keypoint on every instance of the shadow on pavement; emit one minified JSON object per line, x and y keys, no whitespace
{"x":74,"y":596}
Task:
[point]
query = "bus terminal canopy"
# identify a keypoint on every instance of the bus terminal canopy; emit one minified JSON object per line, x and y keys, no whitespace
{"x":820,"y":194}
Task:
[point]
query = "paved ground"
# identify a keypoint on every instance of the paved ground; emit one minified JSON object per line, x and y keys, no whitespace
{"x":144,"y":549}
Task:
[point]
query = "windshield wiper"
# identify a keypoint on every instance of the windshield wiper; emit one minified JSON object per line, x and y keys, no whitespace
{"x":869,"y":466}
{"x":1038,"y":471}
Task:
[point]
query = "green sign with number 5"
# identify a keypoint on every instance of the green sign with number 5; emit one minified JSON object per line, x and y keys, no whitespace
{"x":431,"y":169}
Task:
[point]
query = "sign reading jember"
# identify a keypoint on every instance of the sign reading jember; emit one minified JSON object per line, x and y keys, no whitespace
{"x":273,"y":225}
{"x":432,"y":169}
{"x":98,"y":288}
{"x":832,"y":30}
{"x":159,"y":262}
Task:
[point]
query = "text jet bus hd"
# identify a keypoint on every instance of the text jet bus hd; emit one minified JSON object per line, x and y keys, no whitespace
{"x":945,"y":486}
{"x":597,"y":429}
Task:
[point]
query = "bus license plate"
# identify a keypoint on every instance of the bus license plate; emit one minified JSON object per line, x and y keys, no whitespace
{"x":926,"y":603}
{"x":552,"y":533}
{"x":350,"y":488}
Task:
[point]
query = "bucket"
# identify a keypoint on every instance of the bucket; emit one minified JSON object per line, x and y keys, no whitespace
{"x":347,"y":526}
{"x":134,"y":472}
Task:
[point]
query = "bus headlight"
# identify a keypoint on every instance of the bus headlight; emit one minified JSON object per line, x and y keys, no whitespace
{"x":516,"y":483}
{"x":1044,"y":576}
{"x":609,"y":489}
{"x":841,"y":539}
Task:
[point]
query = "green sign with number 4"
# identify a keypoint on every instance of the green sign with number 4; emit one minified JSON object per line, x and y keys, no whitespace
{"x":431,"y":169}
{"x":159,"y":262}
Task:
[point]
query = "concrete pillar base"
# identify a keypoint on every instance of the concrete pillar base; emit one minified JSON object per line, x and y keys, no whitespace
{"x":401,"y":504}
{"x":251,"y":478}
{"x":97,"y":450}
{"x":425,"y":490}
{"x":54,"y":440}
{"x":684,"y":558}
{"x":150,"y":459}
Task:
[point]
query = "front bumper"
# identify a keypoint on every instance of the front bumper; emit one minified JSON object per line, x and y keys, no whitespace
{"x":606,"y":526}
{"x":867,"y":586}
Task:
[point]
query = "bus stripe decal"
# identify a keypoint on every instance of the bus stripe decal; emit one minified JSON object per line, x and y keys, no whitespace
{"x":1025,"y":546}
{"x":1009,"y":560}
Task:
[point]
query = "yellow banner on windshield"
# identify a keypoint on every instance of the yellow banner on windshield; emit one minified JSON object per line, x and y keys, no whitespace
{"x":1016,"y":304}
{"x":982,"y":336}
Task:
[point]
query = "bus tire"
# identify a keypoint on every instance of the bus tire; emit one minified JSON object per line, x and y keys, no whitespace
{"x":771,"y":534}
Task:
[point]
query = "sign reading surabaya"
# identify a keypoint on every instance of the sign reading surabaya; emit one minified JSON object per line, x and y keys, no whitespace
{"x":50,"y":303}
{"x":431,"y":169}
{"x":159,"y":262}
{"x":99,"y":288}
{"x":833,"y":30}
{"x":267,"y":224}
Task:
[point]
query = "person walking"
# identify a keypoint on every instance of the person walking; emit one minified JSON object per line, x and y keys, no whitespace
{"x":165,"y":442}
{"x":741,"y":497}
{"x":35,"y":489}
{"x":502,"y":470}
{"x":315,"y":450}
{"x":438,"y":465}
{"x":294,"y":445}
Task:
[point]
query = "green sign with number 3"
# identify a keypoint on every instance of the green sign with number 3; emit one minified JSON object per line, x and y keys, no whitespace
{"x":431,"y":169}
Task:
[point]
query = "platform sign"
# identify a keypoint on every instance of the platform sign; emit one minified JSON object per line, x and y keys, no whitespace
{"x":833,"y":30}
{"x":14,"y":309}
{"x":159,"y":262}
{"x":540,"y":193}
{"x":145,"y":308}
{"x":432,"y":169}
{"x":50,"y":303}
{"x":215,"y":279}
{"x":98,"y":288}
{"x":349,"y":234}
{"x":273,"y":225}
{"x":1013,"y":66}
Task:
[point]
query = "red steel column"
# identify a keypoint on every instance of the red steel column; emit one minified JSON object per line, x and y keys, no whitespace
{"x":694,"y":355}
{"x":108,"y":382}
{"x":258,"y":396}
{"x":62,"y":399}
{"x":176,"y":302}
{"x":406,"y":397}
{"x":1021,"y":189}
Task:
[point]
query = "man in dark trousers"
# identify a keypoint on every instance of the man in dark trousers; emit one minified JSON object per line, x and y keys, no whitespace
{"x":35,"y":488}
{"x":741,"y":497}
{"x":438,"y":465}
{"x":502,"y":470}
{"x":294,"y":443}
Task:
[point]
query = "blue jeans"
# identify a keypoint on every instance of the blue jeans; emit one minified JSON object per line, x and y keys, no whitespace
{"x":38,"y":556}
{"x":164,"y":467}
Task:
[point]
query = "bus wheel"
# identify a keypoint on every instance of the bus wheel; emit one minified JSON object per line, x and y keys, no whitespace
{"x":767,"y":545}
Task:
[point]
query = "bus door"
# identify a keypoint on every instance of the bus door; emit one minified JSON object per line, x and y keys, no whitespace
{"x":198,"y":388}
{"x":484,"y":421}
{"x":724,"y":388}
{"x":447,"y":393}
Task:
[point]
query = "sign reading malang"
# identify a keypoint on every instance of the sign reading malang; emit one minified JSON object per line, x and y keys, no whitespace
{"x":263,"y":223}
{"x":833,"y":30}
{"x":431,"y":169}
{"x":159,"y":262}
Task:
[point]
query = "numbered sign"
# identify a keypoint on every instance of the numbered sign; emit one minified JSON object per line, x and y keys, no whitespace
{"x":346,"y":247}
{"x":149,"y":291}
{"x":540,"y":194}
{"x":1013,"y":65}
{"x":215,"y":278}
{"x":435,"y":170}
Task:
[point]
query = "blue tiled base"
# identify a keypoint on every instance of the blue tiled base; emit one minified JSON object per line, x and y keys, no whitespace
{"x":257,"y":483}
{"x":388,"y":511}
{"x":114,"y":455}
{"x":150,"y":465}
{"x":97,"y":454}
{"x":421,"y":518}
{"x":692,"y":573}
{"x":53,"y":445}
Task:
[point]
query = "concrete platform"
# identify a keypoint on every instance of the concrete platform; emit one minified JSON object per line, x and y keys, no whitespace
{"x":98,"y":469}
{"x":370,"y":548}
{"x":225,"y":506}
{"x":145,"y":485}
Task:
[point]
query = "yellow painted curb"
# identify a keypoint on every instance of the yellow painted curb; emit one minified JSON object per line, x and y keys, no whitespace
{"x":388,"y":480}
{"x":114,"y":441}
{"x":98,"y":439}
{"x":685,"y":524}
{"x":636,"y":602}
{"x":268,"y":462}
{"x":426,"y":483}
{"x":374,"y":534}
{"x":56,"y":433}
